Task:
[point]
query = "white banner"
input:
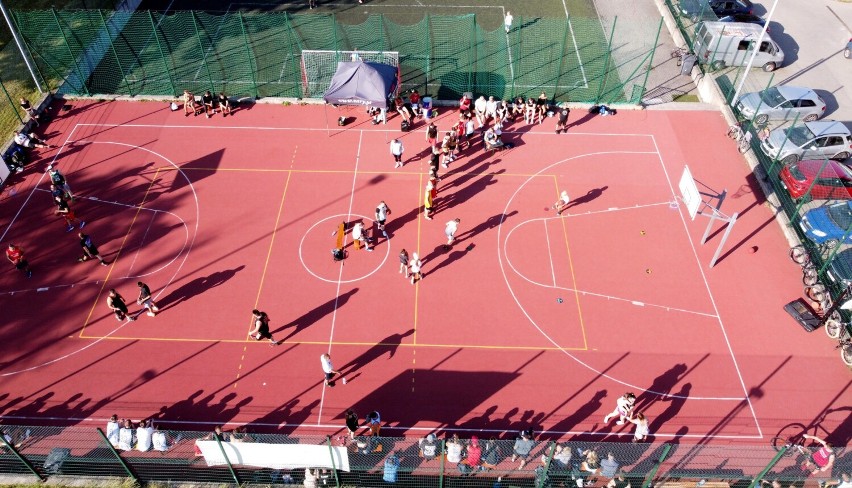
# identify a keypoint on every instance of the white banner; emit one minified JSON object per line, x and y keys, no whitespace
{"x":275,"y":456}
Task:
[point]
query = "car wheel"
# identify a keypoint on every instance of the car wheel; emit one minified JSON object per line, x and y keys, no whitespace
{"x":831,"y":243}
{"x":790,"y":159}
{"x":769,"y":67}
{"x":761,"y":119}
{"x":717,"y":65}
{"x":841,"y":156}
{"x":847,"y":53}
{"x":811,"y":118}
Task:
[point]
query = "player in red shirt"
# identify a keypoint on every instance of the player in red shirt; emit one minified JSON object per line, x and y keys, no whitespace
{"x":15,"y":255}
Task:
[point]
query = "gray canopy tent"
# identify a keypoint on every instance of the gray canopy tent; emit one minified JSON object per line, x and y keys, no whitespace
{"x":364,"y":83}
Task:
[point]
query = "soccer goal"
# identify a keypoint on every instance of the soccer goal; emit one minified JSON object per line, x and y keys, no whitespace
{"x":318,"y":67}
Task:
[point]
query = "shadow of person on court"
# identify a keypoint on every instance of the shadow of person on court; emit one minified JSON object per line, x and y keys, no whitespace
{"x":676,"y":403}
{"x":490,"y":223}
{"x":582,"y":120}
{"x":273,"y":419}
{"x":660,"y":388}
{"x":588,"y":197}
{"x":309,"y":318}
{"x":387,"y":345}
{"x":585,"y":411}
{"x":197,"y":287}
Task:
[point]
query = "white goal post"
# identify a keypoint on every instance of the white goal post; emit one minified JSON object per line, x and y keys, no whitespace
{"x":318,"y":67}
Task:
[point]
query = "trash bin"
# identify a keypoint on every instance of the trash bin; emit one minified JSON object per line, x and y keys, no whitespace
{"x":427,"y":107}
{"x":687,"y":62}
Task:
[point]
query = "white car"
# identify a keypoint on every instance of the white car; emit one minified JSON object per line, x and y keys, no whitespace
{"x":811,"y":140}
{"x":782,"y":103}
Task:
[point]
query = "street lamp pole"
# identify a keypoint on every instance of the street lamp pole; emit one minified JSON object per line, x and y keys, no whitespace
{"x":754,"y":53}
{"x":20,"y":45}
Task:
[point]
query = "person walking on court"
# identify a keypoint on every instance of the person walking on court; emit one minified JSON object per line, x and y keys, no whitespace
{"x":328,"y":370}
{"x":28,"y":108}
{"x":562,"y":203}
{"x":403,"y":263}
{"x":415,"y":266}
{"x":623,"y":409}
{"x":261,"y":327}
{"x":63,"y":209}
{"x":562,"y":122}
{"x":359,"y":233}
{"x":382,"y":212}
{"x":146,"y":300}
{"x":396,"y":150}
{"x":450,"y":230}
{"x":15,"y":255}
{"x":116,"y":303}
{"x":89,"y":249}
{"x":431,"y":134}
{"x":507,"y":21}
{"x":428,"y":201}
{"x":59,"y":180}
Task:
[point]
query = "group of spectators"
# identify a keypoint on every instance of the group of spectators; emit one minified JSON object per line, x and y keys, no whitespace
{"x":208,"y":104}
{"x":124,"y":435}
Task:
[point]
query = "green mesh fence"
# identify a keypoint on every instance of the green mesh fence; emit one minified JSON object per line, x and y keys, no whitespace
{"x":86,"y":52}
{"x":173,"y":456}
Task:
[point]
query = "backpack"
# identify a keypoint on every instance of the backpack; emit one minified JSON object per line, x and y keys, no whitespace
{"x":55,"y":459}
{"x":338,"y":254}
{"x":405,"y":126}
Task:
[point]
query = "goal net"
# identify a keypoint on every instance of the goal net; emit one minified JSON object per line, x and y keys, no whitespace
{"x":318,"y":67}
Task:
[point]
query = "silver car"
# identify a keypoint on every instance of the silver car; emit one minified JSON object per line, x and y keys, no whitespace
{"x":781,"y":103}
{"x":812,"y":140}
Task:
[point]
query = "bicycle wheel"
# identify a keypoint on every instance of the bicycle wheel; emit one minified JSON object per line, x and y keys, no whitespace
{"x":779,"y":443}
{"x":799,"y":255}
{"x":833,"y":327}
{"x":809,"y":276}
{"x":846,"y":353}
{"x":816,"y":292}
{"x":734,"y":132}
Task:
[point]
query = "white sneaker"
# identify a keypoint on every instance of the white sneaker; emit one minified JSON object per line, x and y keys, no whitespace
{"x":620,"y":422}
{"x":151,"y":314}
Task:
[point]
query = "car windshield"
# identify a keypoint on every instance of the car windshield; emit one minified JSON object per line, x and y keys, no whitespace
{"x":771,"y":97}
{"x":799,"y":135}
{"x":841,"y":216}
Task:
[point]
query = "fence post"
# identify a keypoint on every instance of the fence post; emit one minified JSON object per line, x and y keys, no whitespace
{"x":606,"y":63}
{"x":162,"y":55}
{"x":558,"y":69}
{"x":11,"y":102}
{"x":650,"y":62}
{"x":225,"y":455}
{"x":71,"y":53}
{"x":539,"y":482}
{"x":443,"y":461}
{"x":26,"y":462}
{"x":112,"y":48}
{"x":783,"y":143}
{"x":249,"y":56}
{"x":201,"y":50}
{"x":117,"y":456}
{"x":333,"y":464}
{"x":428,"y":50}
{"x":769,"y":466}
{"x":470,"y":79}
{"x":653,"y":473}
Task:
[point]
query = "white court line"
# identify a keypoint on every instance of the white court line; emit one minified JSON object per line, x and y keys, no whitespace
{"x":340,"y":276}
{"x":402,"y":428}
{"x":338,"y":281}
{"x":545,"y":334}
{"x":549,"y":253}
{"x":576,"y":47}
{"x":667,"y":308}
{"x":709,"y":293}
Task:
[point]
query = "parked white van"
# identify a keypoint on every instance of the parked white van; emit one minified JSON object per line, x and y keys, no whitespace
{"x":722,"y":44}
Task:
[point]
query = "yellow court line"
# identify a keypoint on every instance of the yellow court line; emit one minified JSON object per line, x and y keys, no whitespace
{"x":118,"y":254}
{"x":361,"y":344}
{"x":341,"y":171}
{"x":573,"y":276}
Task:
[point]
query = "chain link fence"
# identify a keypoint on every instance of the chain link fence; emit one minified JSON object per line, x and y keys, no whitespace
{"x":95,"y":52}
{"x":174,"y":456}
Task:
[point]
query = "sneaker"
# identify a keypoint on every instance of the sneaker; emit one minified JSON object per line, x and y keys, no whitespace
{"x":445,"y":165}
{"x":385,"y":233}
{"x":620,"y":422}
{"x":82,"y":224}
{"x":369,"y":249}
{"x":151,"y":314}
{"x":104,"y":263}
{"x":19,"y":170}
{"x":131,"y":318}
{"x":69,"y":228}
{"x":29,"y":273}
{"x":428,"y":218}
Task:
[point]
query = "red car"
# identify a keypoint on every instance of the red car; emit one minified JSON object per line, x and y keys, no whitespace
{"x":833,"y":182}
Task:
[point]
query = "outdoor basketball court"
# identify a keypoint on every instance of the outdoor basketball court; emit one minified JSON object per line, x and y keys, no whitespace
{"x":529,"y":320}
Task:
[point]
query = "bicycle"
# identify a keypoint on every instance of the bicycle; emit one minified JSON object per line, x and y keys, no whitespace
{"x":678,"y":53}
{"x":845,"y":346}
{"x":742,"y":137}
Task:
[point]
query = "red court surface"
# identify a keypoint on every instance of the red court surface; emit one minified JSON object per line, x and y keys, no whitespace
{"x":530,"y":320}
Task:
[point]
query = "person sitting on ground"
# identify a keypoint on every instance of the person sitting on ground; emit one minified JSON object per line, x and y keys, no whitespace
{"x":217,"y":433}
{"x":517,"y":109}
{"x":126,"y":439}
{"x":491,"y":140}
{"x":491,"y":454}
{"x":403,"y":109}
{"x":240,"y":434}
{"x":479,"y":107}
{"x":491,"y":108}
{"x":609,"y":466}
{"x":224,"y":104}
{"x":845,"y":481}
{"x":464,"y":105}
{"x":454,"y":449}
{"x":503,"y":111}
{"x":207,"y":100}
{"x":189,"y":103}
{"x":523,"y":445}
{"x":160,"y":441}
{"x":112,"y":428}
{"x":428,"y":447}
{"x":591,"y":462}
{"x":542,"y":104}
{"x":561,"y":460}
{"x":144,"y":435}
{"x":30,"y":141}
{"x":621,"y":482}
{"x":310,"y":480}
{"x":414,"y":100}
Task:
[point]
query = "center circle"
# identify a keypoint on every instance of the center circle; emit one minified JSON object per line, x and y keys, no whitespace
{"x":346,"y":218}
